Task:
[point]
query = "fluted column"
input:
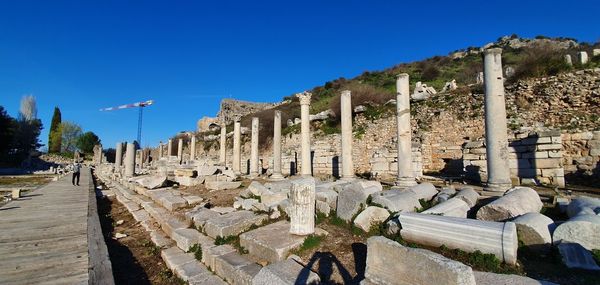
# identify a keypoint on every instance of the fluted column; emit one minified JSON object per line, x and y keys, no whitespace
{"x":223,"y":145}
{"x":130,"y":160}
{"x":277,"y":147}
{"x":254,"y":148}
{"x":302,"y":203}
{"x":306,"y":169}
{"x":235,"y":164}
{"x":193,"y":148}
{"x":406,"y":176}
{"x":346,"y":114}
{"x":495,"y":123}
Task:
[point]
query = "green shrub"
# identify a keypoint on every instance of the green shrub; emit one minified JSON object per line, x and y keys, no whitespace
{"x":197,"y":250}
{"x":225,"y":240}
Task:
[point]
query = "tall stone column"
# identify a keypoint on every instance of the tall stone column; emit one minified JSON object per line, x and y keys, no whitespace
{"x":237,"y":134}
{"x":223,"y":145}
{"x":118,"y":156}
{"x":495,"y":123}
{"x":306,"y":169}
{"x":254,"y":148}
{"x":302,"y":212}
{"x":406,"y":175}
{"x":277,"y":147}
{"x":180,"y":150}
{"x":346,"y":113}
{"x":130,"y":160}
{"x":160,"y":150}
{"x":193,"y":148}
{"x":170,"y":148}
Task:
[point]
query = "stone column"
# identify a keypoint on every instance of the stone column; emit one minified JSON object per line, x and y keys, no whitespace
{"x":138,"y":158}
{"x":306,"y":169}
{"x":277,"y":147}
{"x":119,"y":156}
{"x":302,"y":212}
{"x":180,"y":150}
{"x":495,"y":123}
{"x":583,"y":57}
{"x":346,"y":113}
{"x":223,"y":146}
{"x":193,"y":148}
{"x":130,"y":160}
{"x":406,"y":175}
{"x":170,"y":148}
{"x":568,"y":60}
{"x":160,"y":150}
{"x":254,"y":148}
{"x":235,"y":164}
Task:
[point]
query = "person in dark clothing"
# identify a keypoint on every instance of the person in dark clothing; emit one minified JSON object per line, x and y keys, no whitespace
{"x":76,"y":171}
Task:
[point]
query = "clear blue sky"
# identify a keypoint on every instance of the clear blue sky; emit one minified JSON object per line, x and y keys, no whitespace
{"x":188,"y":55}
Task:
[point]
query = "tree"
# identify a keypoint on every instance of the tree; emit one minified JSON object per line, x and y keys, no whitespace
{"x":70,"y":134}
{"x":87,"y":141}
{"x":28,"y":109}
{"x":55,"y":135}
{"x":26,"y":138}
{"x":7,"y":132}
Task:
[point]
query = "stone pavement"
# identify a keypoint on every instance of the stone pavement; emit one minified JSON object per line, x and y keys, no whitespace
{"x":44,"y":236}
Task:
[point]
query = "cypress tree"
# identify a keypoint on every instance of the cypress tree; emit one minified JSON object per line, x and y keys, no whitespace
{"x":55,"y":135}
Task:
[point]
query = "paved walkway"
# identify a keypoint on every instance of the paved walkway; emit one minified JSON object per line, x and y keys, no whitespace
{"x":43,"y":236}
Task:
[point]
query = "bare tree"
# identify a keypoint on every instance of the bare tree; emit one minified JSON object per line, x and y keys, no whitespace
{"x":28,"y":109}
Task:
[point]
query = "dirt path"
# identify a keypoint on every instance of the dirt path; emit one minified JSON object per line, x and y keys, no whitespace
{"x":135,"y":259}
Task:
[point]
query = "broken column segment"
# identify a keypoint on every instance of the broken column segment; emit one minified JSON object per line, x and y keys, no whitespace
{"x":302,"y":212}
{"x":306,"y":168}
{"x":495,"y":123}
{"x":583,"y":229}
{"x":469,"y":235}
{"x":516,"y":202}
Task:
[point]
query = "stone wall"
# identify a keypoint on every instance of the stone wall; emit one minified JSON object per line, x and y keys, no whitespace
{"x":535,"y":158}
{"x":581,"y":153}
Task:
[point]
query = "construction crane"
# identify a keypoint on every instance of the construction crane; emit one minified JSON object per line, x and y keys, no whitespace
{"x":139,"y":105}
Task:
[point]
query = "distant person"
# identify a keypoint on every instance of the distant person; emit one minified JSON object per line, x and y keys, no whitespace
{"x":76,"y":171}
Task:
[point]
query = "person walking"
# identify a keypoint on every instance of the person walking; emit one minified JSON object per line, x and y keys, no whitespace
{"x":76,"y":171}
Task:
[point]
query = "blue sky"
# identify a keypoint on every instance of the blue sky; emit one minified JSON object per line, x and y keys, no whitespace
{"x":188,"y":55}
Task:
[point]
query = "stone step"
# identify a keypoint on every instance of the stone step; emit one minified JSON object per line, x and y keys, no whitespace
{"x":232,"y":224}
{"x":188,"y":268}
{"x":226,"y":262}
{"x":186,"y":238}
{"x":263,"y":244}
{"x":199,"y":216}
{"x":287,"y":272}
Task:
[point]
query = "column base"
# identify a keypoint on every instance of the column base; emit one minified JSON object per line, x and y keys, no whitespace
{"x":405,"y":182}
{"x":276,"y":177}
{"x":497,"y":188}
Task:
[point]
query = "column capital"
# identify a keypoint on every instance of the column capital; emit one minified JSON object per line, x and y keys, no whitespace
{"x":346,"y":93}
{"x":492,"y":51}
{"x":237,"y":118}
{"x":304,"y":97}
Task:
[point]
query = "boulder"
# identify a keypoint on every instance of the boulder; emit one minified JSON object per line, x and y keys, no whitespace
{"x":397,"y":200}
{"x":534,"y":229}
{"x":256,"y":188}
{"x":576,"y":256}
{"x":350,"y":201}
{"x":153,"y":182}
{"x":468,"y":195}
{"x":412,"y":265}
{"x":453,"y":207}
{"x":371,"y":216}
{"x":518,"y":201}
{"x":581,"y":229}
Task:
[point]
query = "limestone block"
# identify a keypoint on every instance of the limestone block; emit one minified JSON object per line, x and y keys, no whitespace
{"x":469,"y":195}
{"x":271,"y":199}
{"x":453,"y":207}
{"x":535,"y":229}
{"x":328,"y":196}
{"x":302,"y":200}
{"x":411,"y":265}
{"x":323,"y":207}
{"x":424,"y":191}
{"x":576,"y":256}
{"x":235,"y":268}
{"x":189,"y":181}
{"x":172,"y":203}
{"x":583,"y":203}
{"x":186,"y":238}
{"x":371,"y":183}
{"x":160,"y":239}
{"x":140,"y":215}
{"x":210,"y":255}
{"x":469,"y":235}
{"x":489,"y":278}
{"x":205,"y":170}
{"x":516,"y":202}
{"x":174,"y":257}
{"x":287,"y":272}
{"x":193,"y":271}
{"x":201,"y":215}
{"x":350,"y":201}
{"x":583,"y":229}
{"x":222,"y":185}
{"x":256,"y":188}
{"x":396,"y":200}
{"x":371,"y":216}
{"x":169,"y":225}
{"x":232,"y":223}
{"x":186,"y":172}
